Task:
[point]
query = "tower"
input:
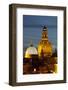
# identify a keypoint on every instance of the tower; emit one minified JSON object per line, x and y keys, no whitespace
{"x":44,"y":34}
{"x":44,"y":46}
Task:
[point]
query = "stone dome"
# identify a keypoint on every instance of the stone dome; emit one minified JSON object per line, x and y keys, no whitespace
{"x":45,"y":48}
{"x":30,"y":51}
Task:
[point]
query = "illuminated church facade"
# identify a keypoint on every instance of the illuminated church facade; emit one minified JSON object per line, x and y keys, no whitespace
{"x":41,"y":59}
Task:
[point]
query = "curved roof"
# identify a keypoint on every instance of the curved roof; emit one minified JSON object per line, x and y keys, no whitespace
{"x":31,"y":50}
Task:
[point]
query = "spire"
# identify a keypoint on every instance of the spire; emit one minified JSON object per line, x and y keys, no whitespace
{"x":31,"y":43}
{"x":44,"y":33}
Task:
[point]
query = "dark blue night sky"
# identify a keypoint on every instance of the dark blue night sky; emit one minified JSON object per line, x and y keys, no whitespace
{"x":32,"y":28}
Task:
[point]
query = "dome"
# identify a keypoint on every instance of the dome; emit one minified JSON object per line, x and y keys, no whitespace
{"x":30,"y":51}
{"x":44,"y":46}
{"x":45,"y":49}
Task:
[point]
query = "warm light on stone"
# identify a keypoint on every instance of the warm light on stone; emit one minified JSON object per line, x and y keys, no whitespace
{"x":34,"y":69}
{"x":55,"y":68}
{"x":44,"y":46}
{"x":41,"y":59}
{"x":30,"y":51}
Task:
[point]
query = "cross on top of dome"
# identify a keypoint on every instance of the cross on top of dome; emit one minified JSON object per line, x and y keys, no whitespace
{"x":31,"y":43}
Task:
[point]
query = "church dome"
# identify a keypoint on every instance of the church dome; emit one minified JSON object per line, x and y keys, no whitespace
{"x":45,"y":49}
{"x":44,"y":46}
{"x":30,"y":51}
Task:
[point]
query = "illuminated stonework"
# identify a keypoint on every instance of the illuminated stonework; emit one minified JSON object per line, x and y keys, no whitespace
{"x":44,"y":46}
{"x":31,"y":51}
{"x":41,"y":59}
